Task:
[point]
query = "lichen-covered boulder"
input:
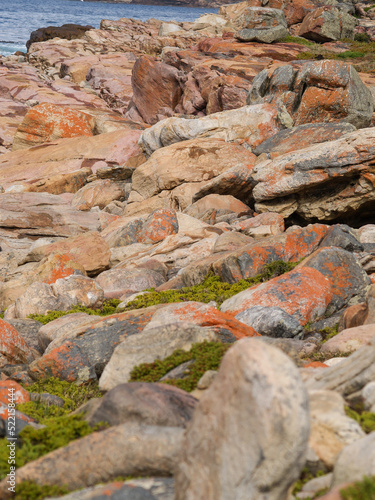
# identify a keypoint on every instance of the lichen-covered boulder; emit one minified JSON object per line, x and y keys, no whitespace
{"x":327,"y":24}
{"x":261,"y":24}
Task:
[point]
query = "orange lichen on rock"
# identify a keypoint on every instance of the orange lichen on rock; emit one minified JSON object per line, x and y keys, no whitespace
{"x":16,"y":391}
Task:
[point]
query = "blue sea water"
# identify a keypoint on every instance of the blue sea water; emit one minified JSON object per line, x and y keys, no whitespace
{"x":18,"y":18}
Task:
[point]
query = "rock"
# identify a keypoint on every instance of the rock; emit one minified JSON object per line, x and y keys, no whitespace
{"x":118,"y":282}
{"x":66,"y":31}
{"x":355,"y":461}
{"x":343,"y":271}
{"x":262,"y":24}
{"x":157,"y":342}
{"x":13,"y":423}
{"x":254,"y":124}
{"x":367,"y":233}
{"x":260,"y":226}
{"x":349,"y":340}
{"x":303,"y":136}
{"x":150,"y":404}
{"x":293,"y":245}
{"x":219,"y":202}
{"x":68,"y":327}
{"x":124,"y":450}
{"x":156,"y":90}
{"x":271,"y":321}
{"x":318,"y":91}
{"x":13,"y":348}
{"x":203,"y":315}
{"x":97,"y":194}
{"x":231,"y":241}
{"x":158,"y":226}
{"x":65,"y":164}
{"x":174,"y":173}
{"x":282,"y":188}
{"x":331,"y":429}
{"x":317,"y":484}
{"x":244,"y":429}
{"x":349,"y":376}
{"x":302,"y":293}
{"x":43,"y":214}
{"x":341,"y":235}
{"x":88,"y":249}
{"x":11,"y":392}
{"x":47,"y":122}
{"x":327,"y":24}
{"x":29,"y":331}
{"x":85,"y":354}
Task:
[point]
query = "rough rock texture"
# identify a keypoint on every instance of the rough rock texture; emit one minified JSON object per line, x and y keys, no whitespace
{"x":153,"y":343}
{"x":318,"y":182}
{"x":123,"y":450}
{"x":271,"y":321}
{"x":349,"y":340}
{"x":254,"y":124}
{"x":331,"y":429}
{"x":66,"y":31}
{"x":252,"y":446}
{"x":47,"y":122}
{"x":151,"y":404}
{"x":327,"y":24}
{"x":261,"y":24}
{"x":318,"y":91}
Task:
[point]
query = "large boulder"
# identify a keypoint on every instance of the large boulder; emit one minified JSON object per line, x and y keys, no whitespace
{"x":66,"y":31}
{"x":328,"y":24}
{"x":262,"y":24}
{"x":248,"y":436}
{"x":318,"y":91}
{"x":325,"y":181}
{"x":254,"y":124}
{"x":156,"y":90}
{"x":172,"y":175}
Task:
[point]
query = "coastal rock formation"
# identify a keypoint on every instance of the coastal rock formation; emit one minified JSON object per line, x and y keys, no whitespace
{"x":187,"y":256}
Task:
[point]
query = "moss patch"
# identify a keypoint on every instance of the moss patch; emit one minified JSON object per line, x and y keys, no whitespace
{"x":60,"y":429}
{"x":108,"y":307}
{"x":366,"y":419}
{"x":206,"y":356}
{"x":329,"y":333}
{"x":360,"y":490}
{"x":212,"y":289}
{"x":305,"y":477}
{"x":28,"y":490}
{"x":297,"y":39}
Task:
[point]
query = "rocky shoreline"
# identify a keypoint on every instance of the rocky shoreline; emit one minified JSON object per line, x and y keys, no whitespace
{"x":187,"y":257}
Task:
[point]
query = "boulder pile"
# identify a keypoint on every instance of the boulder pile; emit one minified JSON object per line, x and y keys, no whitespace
{"x":187,"y":257}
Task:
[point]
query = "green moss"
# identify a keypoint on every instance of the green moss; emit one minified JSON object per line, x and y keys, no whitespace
{"x":60,"y":429}
{"x":28,"y":490}
{"x":329,"y":332}
{"x":366,"y":419}
{"x":2,"y":315}
{"x":34,"y":443}
{"x":350,"y":54}
{"x":297,"y":39}
{"x":206,"y":356}
{"x":305,"y":477}
{"x":108,"y":307}
{"x":362,"y":37}
{"x":212,"y":289}
{"x":360,"y":490}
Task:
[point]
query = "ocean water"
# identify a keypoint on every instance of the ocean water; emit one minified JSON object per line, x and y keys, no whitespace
{"x":18,"y":18}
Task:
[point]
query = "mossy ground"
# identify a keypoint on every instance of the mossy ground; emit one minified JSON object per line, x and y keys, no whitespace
{"x":366,"y":419}
{"x":206,"y":356}
{"x":29,"y":490}
{"x":108,"y":307}
{"x":297,"y":39}
{"x":212,"y":289}
{"x":60,"y":428}
{"x":360,"y":490}
{"x":360,"y":53}
{"x":305,"y":477}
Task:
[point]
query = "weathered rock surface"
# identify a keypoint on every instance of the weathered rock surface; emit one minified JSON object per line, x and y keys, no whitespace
{"x":318,"y":91}
{"x":66,"y":31}
{"x":246,"y":437}
{"x":332,"y":185}
{"x":327,"y":24}
{"x":151,"y":404}
{"x":260,"y":24}
{"x":124,"y":450}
